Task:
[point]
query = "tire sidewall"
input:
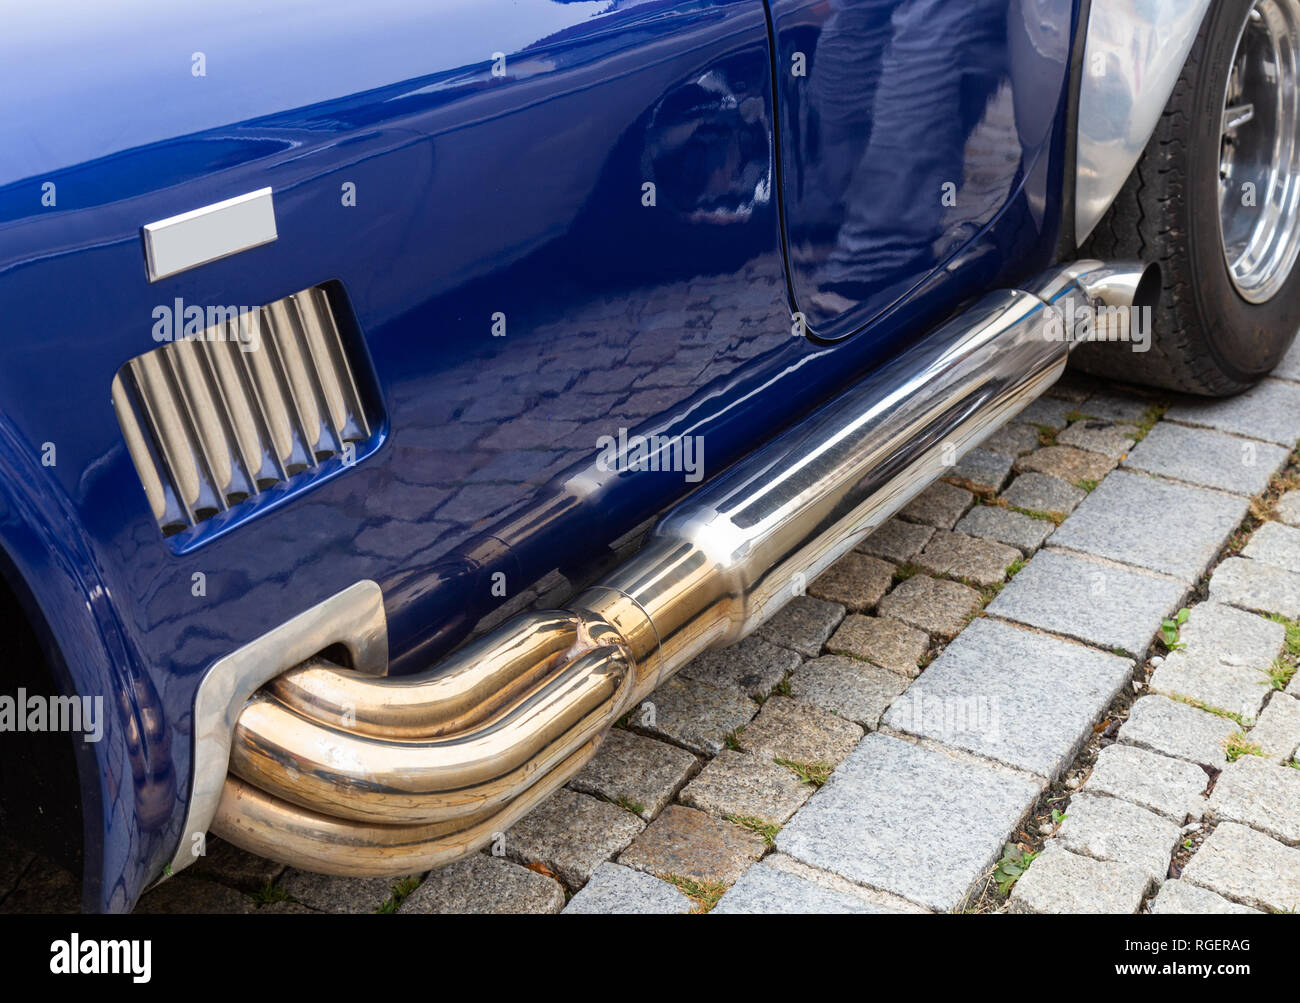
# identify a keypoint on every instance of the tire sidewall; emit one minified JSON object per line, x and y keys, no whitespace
{"x":1246,"y":340}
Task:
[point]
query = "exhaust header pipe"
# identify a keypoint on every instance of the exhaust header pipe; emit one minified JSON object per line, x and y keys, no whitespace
{"x":343,"y":773}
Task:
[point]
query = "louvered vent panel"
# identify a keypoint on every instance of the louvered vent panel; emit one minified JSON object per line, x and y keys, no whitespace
{"x":213,"y":421}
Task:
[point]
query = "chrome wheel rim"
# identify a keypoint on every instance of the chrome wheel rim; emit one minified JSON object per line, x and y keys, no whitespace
{"x":1259,"y":152}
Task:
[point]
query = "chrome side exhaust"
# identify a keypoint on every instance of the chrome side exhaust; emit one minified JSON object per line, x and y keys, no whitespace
{"x":344,"y":773}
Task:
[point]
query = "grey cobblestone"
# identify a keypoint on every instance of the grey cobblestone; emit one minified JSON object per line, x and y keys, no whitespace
{"x":1126,"y":519}
{"x":855,"y":581}
{"x":1040,"y":493}
{"x":962,"y":556}
{"x":1094,"y":436}
{"x":1288,"y":508}
{"x":1050,"y":411}
{"x":1277,"y":732}
{"x":1125,"y":408}
{"x":1111,"y":829}
{"x":897,"y":541}
{"x":1034,"y":712}
{"x":804,"y":625}
{"x":571,"y":835}
{"x":617,"y":890}
{"x":1063,"y":882}
{"x":939,"y":505}
{"x":1011,"y":440}
{"x":637,"y":771}
{"x":1262,"y":795}
{"x":1184,"y":898}
{"x":1103,"y":604}
{"x":1269,"y":411}
{"x":187,"y":894}
{"x":1210,"y":459}
{"x":983,"y":470}
{"x":694,"y":714}
{"x":347,"y":895}
{"x":1171,"y":787}
{"x":891,"y":644}
{"x":1247,"y":867}
{"x":934,"y":605}
{"x":1074,"y":466}
{"x":753,"y":666}
{"x":229,"y":865}
{"x":799,"y":732}
{"x":738,"y":784}
{"x":848,"y":687}
{"x":1256,"y":586}
{"x":686,"y":843}
{"x":1275,"y":544}
{"x":992,"y":522}
{"x":765,"y":890}
{"x":1175,"y":729}
{"x":484,"y":885}
{"x":885,"y":820}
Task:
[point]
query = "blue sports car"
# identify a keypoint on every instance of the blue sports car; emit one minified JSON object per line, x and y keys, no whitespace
{"x":392,"y":397}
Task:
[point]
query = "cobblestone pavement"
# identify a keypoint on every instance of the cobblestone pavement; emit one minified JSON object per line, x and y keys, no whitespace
{"x":989,"y":677}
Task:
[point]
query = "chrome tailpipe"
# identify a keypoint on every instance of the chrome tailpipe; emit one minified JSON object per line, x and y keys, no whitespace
{"x":336,"y":771}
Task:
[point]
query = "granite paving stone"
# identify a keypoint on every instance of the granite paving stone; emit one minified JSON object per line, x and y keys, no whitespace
{"x":1035,"y":492}
{"x":1063,"y":882}
{"x":1262,"y":795}
{"x":1276,"y":544}
{"x":1289,"y":367}
{"x":187,"y":894}
{"x":1211,"y":681}
{"x":939,"y":505}
{"x":1170,"y":787}
{"x":982,"y":470}
{"x":1103,"y":604}
{"x":739,"y":784}
{"x":1176,"y":729}
{"x":691,"y":844}
{"x":1277,"y":732}
{"x":1288,"y":508}
{"x":334,"y":894}
{"x":1257,"y":586}
{"x":799,"y":732}
{"x":1111,"y":829}
{"x":889,"y":643}
{"x":896,"y":540}
{"x":992,"y":522}
{"x":888,"y":819}
{"x":804,"y":625}
{"x":483,"y":884}
{"x":765,"y":890}
{"x":1051,"y":411}
{"x":1115,"y":407}
{"x":571,"y":834}
{"x":848,"y":687}
{"x":1247,"y":867}
{"x":1268,"y":411}
{"x":962,"y":556}
{"x":1232,"y":636}
{"x":1067,"y":463}
{"x":752,"y":666}
{"x":694,"y":714}
{"x":1104,"y":437}
{"x":1008,"y":694}
{"x":935,"y":605}
{"x":1210,"y":459}
{"x":1126,"y":519}
{"x":1011,"y":440}
{"x":1184,"y":898}
{"x":616,"y":890}
{"x":636,"y":771}
{"x":855,"y":581}
{"x":229,"y":865}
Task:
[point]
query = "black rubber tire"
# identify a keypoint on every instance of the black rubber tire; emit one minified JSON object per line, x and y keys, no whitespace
{"x":1206,"y":339}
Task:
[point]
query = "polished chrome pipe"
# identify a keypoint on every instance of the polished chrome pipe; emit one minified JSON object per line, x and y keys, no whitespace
{"x":345,"y":773}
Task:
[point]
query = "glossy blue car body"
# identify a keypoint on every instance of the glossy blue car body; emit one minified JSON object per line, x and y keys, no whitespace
{"x":477,"y":193}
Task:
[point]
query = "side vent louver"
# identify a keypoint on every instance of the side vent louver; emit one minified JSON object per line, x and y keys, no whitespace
{"x":264,"y":395}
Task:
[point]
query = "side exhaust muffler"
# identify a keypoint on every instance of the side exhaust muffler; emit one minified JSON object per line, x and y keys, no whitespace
{"x":344,"y":773}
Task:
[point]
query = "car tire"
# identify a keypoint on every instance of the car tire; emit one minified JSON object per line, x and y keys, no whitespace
{"x":1216,"y":331}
